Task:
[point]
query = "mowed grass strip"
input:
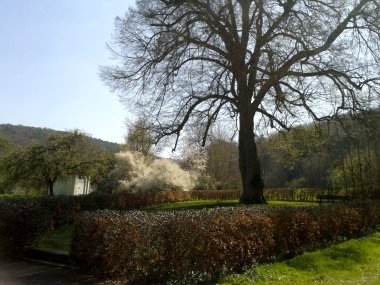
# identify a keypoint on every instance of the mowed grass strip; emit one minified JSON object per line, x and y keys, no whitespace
{"x":205,"y":204}
{"x":352,"y":262}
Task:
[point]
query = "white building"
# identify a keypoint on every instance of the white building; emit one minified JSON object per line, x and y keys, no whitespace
{"x":72,"y":187}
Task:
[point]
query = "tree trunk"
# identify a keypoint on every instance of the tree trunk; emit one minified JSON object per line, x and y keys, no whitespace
{"x":50,"y":186}
{"x":253,"y":185}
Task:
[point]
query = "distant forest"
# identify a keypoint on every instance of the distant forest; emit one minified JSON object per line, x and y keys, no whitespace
{"x":340,"y":155}
{"x":22,"y":136}
{"x":343,"y":154}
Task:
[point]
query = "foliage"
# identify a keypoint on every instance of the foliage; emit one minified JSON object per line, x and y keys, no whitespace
{"x":24,"y":221}
{"x":288,"y":149}
{"x":292,"y":194}
{"x":274,"y":64}
{"x":353,"y":262}
{"x":223,"y":165}
{"x":139,"y":138}
{"x":23,"y":136}
{"x":25,"y":218}
{"x":165,"y":175}
{"x":139,"y":173}
{"x":347,"y":157}
{"x":189,"y":247}
{"x":59,"y":159}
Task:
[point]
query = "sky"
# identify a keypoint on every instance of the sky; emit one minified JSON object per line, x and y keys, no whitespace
{"x":50,"y":53}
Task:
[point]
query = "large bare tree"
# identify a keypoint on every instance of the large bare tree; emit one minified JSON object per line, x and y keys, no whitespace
{"x":188,"y":63}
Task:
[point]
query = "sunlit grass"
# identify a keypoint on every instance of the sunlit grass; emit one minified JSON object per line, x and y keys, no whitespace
{"x":352,"y":262}
{"x":205,"y":204}
{"x":197,"y":204}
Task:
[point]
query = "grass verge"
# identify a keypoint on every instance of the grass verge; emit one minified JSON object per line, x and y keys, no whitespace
{"x":58,"y":239}
{"x":204,"y":204}
{"x":353,"y":262}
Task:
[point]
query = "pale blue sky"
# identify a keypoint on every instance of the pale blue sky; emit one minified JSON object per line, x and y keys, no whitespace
{"x":50,"y":52}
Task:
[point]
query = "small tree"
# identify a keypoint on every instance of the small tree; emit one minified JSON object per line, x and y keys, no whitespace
{"x":61,"y":158}
{"x":139,"y":138}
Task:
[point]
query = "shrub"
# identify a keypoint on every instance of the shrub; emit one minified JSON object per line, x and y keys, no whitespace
{"x":165,"y":175}
{"x":188,"y":247}
{"x":21,"y":224}
{"x":289,"y":194}
{"x":139,"y":173}
{"x":161,"y":246}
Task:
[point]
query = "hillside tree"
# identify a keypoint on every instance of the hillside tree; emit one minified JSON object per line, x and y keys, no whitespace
{"x":61,"y":158}
{"x":186,"y":64}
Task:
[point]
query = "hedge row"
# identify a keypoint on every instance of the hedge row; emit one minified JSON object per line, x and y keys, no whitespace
{"x":23,"y":220}
{"x":295,"y":195}
{"x":189,"y":247}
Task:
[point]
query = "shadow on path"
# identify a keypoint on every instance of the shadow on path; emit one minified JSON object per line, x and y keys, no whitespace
{"x":30,"y":273}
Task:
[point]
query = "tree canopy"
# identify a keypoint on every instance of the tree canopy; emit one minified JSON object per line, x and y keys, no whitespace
{"x":188,"y":63}
{"x":62,"y":157}
{"x":139,"y":137}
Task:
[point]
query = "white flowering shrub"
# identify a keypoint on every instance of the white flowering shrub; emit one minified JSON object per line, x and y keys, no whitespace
{"x":130,"y":165}
{"x":140,"y":174}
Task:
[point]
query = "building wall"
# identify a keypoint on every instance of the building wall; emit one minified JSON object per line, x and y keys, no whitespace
{"x":82,"y":186}
{"x":74,"y":186}
{"x":64,"y":188}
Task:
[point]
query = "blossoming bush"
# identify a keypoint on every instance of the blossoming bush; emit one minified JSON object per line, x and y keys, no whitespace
{"x":139,"y":173}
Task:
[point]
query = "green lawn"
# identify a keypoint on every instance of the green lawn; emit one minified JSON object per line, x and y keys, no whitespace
{"x":353,"y":262}
{"x":202,"y":204}
{"x":11,"y":197}
{"x":59,"y":239}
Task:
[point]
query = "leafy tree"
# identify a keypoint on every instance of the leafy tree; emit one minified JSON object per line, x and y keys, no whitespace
{"x":189,"y":63}
{"x":289,"y":148}
{"x":223,"y":164}
{"x":4,"y":149}
{"x":139,"y":137}
{"x":59,"y":159}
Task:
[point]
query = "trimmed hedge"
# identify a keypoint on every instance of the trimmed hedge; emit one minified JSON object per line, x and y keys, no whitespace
{"x":295,"y":195}
{"x":23,"y":220}
{"x":189,"y":247}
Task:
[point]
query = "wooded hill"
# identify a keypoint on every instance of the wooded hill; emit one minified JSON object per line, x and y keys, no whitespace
{"x":342,"y":154}
{"x":22,"y":135}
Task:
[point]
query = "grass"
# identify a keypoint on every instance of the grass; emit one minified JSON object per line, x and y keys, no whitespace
{"x":58,"y":239}
{"x":193,"y":205}
{"x":11,"y":197}
{"x":353,"y":262}
{"x":202,"y":204}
